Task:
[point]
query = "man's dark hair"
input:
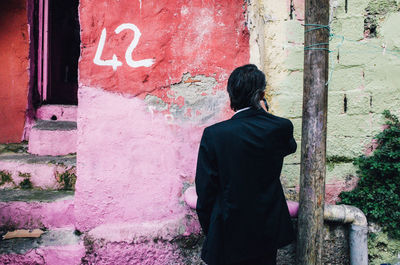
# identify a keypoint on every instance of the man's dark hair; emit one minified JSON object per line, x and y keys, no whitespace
{"x":245,"y":86}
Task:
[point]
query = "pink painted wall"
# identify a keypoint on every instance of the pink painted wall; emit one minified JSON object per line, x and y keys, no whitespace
{"x":51,"y":255}
{"x":14,"y":75}
{"x":139,"y":127}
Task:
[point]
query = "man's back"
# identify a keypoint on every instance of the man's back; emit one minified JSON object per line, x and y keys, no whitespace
{"x":241,"y":205}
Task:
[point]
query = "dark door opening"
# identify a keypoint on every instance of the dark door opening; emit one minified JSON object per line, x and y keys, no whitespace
{"x":64,"y":50}
{"x":58,"y":51}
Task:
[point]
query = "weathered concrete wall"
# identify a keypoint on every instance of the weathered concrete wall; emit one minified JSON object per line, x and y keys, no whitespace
{"x":143,"y":104}
{"x":14,"y":76}
{"x":363,"y":81}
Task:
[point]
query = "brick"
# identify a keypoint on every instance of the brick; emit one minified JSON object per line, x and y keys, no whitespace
{"x":352,"y":27}
{"x":292,"y":83}
{"x":385,"y":99}
{"x":358,"y":102}
{"x":389,"y":30}
{"x":294,"y":31}
{"x":354,"y":8}
{"x":383,"y":71}
{"x":350,"y":125}
{"x":295,"y":58}
{"x":350,"y":147}
{"x":335,"y":103}
{"x":288,"y":105}
{"x":339,"y":171}
{"x":346,"y":79}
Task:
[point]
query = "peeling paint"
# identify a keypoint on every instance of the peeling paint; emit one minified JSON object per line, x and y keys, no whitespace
{"x":193,"y":100}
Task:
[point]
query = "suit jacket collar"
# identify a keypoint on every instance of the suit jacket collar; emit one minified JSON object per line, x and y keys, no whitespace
{"x":249,"y":112}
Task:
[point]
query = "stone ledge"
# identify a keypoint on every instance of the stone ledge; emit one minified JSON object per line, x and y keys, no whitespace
{"x":31,"y":209}
{"x":53,"y":247}
{"x":53,"y":138}
{"x":34,"y":195}
{"x":68,"y":160}
{"x":41,"y":171}
{"x":55,"y":125}
{"x":58,"y":237}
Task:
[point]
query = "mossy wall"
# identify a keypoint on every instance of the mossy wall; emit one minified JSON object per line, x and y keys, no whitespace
{"x":364,"y":66}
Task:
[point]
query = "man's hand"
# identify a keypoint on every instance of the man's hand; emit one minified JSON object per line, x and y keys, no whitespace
{"x":263,"y":104}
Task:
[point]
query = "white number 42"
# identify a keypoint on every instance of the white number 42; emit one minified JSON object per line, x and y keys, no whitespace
{"x":114,"y":63}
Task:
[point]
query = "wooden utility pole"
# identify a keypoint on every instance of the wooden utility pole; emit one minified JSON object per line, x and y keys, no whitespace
{"x":313,"y":146}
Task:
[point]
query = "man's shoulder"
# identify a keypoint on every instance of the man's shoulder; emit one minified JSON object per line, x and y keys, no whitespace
{"x":280,"y":121}
{"x":219,"y":126}
{"x":268,"y":118}
{"x":278,"y":118}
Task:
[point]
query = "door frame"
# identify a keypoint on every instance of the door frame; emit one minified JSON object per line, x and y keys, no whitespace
{"x":43,"y":50}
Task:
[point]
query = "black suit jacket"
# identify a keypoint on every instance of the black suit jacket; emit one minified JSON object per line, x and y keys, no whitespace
{"x":241,"y":206}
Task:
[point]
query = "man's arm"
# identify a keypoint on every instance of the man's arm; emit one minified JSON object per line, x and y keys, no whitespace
{"x":289,"y":141}
{"x":206,"y":181}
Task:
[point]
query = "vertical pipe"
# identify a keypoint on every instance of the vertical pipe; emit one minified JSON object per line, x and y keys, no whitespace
{"x":45,"y":48}
{"x":358,"y":238}
{"x":313,"y":146}
{"x":40,"y":50}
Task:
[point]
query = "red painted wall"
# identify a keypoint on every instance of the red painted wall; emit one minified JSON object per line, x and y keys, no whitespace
{"x":14,"y":76}
{"x":199,"y":37}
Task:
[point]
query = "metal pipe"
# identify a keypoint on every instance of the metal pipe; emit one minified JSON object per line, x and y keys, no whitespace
{"x":345,"y":214}
{"x":358,"y":234}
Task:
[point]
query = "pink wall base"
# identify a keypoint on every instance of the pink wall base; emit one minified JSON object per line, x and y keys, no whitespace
{"x":52,"y":255}
{"x":31,"y":215}
{"x":141,"y":232}
{"x":135,"y":254}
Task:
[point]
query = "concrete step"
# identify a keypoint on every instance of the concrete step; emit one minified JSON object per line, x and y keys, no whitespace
{"x":30,"y":209}
{"x":53,"y":247}
{"x":53,"y":138}
{"x":57,"y":112}
{"x":19,"y":169}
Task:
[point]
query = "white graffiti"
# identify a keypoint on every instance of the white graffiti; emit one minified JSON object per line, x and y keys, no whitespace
{"x":169,"y":118}
{"x":132,"y":46}
{"x":114,"y":62}
{"x":97,"y":58}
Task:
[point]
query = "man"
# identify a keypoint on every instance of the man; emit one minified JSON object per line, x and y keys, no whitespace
{"x":241,"y":206}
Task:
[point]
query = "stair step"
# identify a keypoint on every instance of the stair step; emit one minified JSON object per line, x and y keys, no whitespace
{"x":57,"y":112}
{"x":53,"y":138}
{"x":22,"y":169}
{"x":29,"y":209}
{"x":55,"y":125}
{"x":60,"y":246}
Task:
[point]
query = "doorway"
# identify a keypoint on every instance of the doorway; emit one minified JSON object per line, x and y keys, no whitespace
{"x":58,"y":51}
